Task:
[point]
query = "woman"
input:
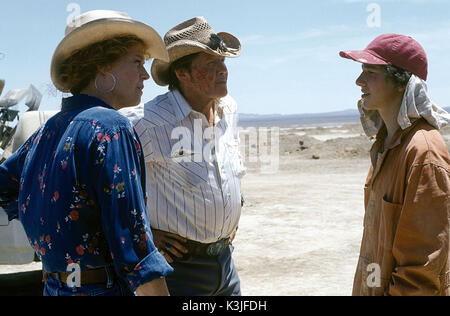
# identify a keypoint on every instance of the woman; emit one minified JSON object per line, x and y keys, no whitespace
{"x":77,"y":185}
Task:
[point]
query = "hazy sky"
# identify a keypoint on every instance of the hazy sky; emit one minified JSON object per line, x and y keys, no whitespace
{"x":289,"y":64}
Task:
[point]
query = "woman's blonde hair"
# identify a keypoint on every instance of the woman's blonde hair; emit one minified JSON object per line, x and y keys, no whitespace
{"x":82,"y":67}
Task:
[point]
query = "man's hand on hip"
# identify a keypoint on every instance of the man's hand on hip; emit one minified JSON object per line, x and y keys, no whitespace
{"x":169,"y":244}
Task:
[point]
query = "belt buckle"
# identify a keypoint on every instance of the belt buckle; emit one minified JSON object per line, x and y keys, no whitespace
{"x":215,"y":249}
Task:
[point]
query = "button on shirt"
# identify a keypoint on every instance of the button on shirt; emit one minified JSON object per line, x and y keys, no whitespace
{"x":193,"y":169}
{"x":77,"y":186}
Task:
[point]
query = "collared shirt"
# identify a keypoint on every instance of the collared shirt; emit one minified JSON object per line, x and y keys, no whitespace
{"x":193,"y":169}
{"x":77,"y":186}
{"x":405,"y":245}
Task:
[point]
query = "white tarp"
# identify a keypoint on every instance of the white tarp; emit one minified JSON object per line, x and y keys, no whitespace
{"x":14,"y":245}
{"x":13,"y":97}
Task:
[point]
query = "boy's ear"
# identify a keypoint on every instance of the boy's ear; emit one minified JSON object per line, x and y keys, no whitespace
{"x":182,"y":74}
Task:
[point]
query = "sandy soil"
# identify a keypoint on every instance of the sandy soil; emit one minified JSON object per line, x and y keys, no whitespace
{"x":301,"y":227}
{"x":302,"y":239}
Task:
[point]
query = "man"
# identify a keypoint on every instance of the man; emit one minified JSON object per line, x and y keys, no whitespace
{"x":193,"y":166}
{"x":405,"y":245}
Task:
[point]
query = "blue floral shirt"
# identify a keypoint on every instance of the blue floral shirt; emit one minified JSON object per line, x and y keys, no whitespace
{"x":78,"y":187}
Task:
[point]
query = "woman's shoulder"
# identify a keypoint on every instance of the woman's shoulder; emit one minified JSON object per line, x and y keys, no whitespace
{"x":105,"y":118}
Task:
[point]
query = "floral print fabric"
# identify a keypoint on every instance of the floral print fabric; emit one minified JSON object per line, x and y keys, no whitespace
{"x":78,"y":187}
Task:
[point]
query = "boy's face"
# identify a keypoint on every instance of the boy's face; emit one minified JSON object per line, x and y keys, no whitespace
{"x":378,"y":91}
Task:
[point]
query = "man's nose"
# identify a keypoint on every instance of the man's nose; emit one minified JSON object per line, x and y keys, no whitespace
{"x":223,"y":70}
{"x":144,"y":74}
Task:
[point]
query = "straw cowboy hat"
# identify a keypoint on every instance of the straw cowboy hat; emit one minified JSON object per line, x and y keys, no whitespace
{"x":190,"y":37}
{"x":98,"y":25}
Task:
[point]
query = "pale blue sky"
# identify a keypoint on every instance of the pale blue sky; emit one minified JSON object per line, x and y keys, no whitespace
{"x":289,"y":64}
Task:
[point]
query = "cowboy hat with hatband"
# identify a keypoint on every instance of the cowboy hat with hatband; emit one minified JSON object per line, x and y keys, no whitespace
{"x":191,"y":37}
{"x":98,"y":25}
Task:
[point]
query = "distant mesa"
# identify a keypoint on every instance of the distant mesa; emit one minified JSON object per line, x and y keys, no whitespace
{"x":346,"y":116}
{"x":309,"y":119}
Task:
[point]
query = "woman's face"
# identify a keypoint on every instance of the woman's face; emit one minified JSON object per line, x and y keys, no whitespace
{"x":130,"y":75}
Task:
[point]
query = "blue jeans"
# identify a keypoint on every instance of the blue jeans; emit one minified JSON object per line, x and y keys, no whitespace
{"x":200,"y":276}
{"x":113,"y":287}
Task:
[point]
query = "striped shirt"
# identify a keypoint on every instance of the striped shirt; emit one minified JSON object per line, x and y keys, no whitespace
{"x":193,"y":169}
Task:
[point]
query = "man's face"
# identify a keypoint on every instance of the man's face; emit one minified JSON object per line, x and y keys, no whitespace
{"x":377,"y":91}
{"x":209,"y":76}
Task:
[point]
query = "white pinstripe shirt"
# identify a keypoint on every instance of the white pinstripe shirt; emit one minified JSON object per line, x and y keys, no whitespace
{"x":193,"y":170}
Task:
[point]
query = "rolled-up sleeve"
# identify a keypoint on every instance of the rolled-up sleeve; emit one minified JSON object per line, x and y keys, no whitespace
{"x":421,"y":245}
{"x":118,"y":175}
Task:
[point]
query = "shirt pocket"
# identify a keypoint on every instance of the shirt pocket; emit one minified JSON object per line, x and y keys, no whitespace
{"x":390,"y":214}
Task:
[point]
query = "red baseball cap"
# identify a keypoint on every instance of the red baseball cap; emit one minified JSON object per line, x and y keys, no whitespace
{"x":399,"y":50}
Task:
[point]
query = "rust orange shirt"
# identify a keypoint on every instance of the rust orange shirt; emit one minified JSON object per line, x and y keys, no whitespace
{"x":405,"y":245}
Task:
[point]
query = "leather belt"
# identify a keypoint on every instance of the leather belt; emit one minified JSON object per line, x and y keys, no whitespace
{"x":207,"y":250}
{"x":87,"y":277}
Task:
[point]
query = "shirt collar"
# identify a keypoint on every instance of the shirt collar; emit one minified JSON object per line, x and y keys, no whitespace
{"x":183,"y":109}
{"x":396,"y":139}
{"x":82,"y":101}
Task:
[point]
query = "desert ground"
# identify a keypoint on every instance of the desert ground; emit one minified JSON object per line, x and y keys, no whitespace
{"x":301,"y":227}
